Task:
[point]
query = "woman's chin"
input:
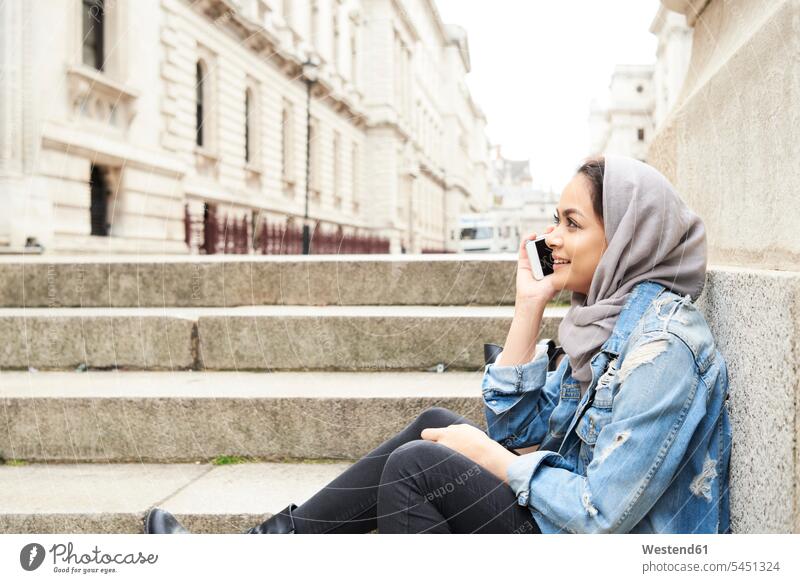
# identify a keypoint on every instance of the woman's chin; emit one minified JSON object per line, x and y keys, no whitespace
{"x":561,"y":283}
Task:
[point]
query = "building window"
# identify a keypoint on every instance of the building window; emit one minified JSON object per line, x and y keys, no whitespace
{"x":248,"y":125}
{"x":640,"y":134}
{"x":336,"y":38}
{"x":93,"y":25}
{"x":314,"y":157}
{"x":337,"y":169}
{"x":401,"y":76}
{"x":356,"y":178}
{"x":98,"y":207}
{"x":199,"y":80}
{"x":287,"y":142}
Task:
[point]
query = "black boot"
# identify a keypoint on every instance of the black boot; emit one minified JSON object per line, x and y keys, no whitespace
{"x":160,"y":521}
{"x":280,"y":523}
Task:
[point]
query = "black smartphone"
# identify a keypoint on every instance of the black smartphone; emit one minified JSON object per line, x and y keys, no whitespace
{"x":538,"y":249}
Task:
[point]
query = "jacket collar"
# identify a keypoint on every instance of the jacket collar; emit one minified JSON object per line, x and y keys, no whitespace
{"x":636,"y":305}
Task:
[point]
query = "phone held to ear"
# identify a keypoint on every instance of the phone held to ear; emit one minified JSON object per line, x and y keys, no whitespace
{"x":540,"y":257}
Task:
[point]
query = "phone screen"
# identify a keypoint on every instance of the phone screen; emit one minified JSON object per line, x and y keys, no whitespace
{"x":545,"y":256}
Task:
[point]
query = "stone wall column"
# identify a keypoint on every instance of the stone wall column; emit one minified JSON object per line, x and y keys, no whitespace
{"x":731,"y":146}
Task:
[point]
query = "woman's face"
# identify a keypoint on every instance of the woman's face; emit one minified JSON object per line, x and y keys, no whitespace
{"x":578,"y":237}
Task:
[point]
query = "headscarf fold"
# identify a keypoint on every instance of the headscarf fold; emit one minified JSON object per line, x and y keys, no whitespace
{"x":652,"y":235}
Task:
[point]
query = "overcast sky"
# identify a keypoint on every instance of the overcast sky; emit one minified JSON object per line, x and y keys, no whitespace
{"x":536,"y":65}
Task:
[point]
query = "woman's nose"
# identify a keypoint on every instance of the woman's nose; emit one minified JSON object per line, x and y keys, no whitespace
{"x":552,"y":240}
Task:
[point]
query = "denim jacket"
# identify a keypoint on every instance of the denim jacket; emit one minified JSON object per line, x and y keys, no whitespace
{"x":645,"y":450}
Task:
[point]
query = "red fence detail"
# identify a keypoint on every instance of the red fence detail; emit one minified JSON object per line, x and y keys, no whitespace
{"x":236,"y":234}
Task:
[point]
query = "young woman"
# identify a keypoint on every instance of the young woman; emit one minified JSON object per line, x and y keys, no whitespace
{"x":629,"y":434}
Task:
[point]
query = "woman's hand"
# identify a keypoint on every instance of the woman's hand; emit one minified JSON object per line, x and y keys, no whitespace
{"x":473,"y":443}
{"x":529,"y":289}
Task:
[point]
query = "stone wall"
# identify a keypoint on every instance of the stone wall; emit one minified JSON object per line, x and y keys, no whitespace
{"x":730,"y":146}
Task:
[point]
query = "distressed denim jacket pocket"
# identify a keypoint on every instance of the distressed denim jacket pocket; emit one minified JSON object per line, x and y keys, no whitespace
{"x":562,"y":414}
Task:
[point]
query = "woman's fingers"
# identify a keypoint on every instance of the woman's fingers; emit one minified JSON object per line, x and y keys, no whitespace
{"x":432,"y":433}
{"x":529,"y":237}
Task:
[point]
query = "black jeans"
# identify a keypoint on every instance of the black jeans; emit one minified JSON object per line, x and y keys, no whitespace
{"x":412,"y":485}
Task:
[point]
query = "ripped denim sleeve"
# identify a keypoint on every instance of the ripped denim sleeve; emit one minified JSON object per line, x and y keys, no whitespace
{"x":659,"y":404}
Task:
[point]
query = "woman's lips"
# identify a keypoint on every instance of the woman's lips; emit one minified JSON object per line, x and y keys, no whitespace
{"x":559,"y":265}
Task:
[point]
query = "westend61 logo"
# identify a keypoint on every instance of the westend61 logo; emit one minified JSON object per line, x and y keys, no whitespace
{"x":32,"y":556}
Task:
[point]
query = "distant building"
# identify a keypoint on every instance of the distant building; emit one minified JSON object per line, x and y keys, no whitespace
{"x":124,"y":120}
{"x":508,"y":176}
{"x":622,"y":121}
{"x":517,"y":208}
{"x":512,"y":187}
{"x":641,"y":96}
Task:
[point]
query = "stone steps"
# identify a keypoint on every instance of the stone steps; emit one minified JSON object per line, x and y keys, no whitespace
{"x":256,"y":337}
{"x":276,"y":360}
{"x":242,"y":280}
{"x":114,"y":498}
{"x":116,"y":416}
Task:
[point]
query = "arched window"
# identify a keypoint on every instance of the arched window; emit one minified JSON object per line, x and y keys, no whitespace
{"x":200,"y":99}
{"x":248,"y":121}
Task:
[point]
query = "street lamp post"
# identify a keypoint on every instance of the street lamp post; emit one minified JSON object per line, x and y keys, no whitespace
{"x":310,"y":77}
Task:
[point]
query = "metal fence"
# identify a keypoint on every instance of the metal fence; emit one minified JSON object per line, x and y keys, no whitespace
{"x":211,"y":234}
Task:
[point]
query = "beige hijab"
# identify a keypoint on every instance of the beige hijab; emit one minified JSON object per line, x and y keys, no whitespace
{"x":651,"y":235}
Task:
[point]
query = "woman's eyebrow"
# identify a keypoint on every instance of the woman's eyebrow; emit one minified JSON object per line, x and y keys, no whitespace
{"x":570,"y":211}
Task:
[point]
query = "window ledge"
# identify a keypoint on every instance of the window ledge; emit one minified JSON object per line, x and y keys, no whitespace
{"x":94,"y":95}
{"x":84,"y":80}
{"x":253,"y":170}
{"x":206,"y":161}
{"x":203,"y":153}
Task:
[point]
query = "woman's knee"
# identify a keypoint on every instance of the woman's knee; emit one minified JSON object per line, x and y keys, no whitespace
{"x":413,"y":457}
{"x":437,"y":417}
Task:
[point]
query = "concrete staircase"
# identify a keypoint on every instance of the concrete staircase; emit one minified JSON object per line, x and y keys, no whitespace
{"x":123,"y":379}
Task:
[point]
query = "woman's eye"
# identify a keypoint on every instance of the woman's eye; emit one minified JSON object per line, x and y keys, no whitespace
{"x":570,"y":222}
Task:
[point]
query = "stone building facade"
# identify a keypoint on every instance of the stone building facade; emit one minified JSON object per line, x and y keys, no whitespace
{"x":622,"y":122}
{"x":120,"y":118}
{"x":516,"y":200}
